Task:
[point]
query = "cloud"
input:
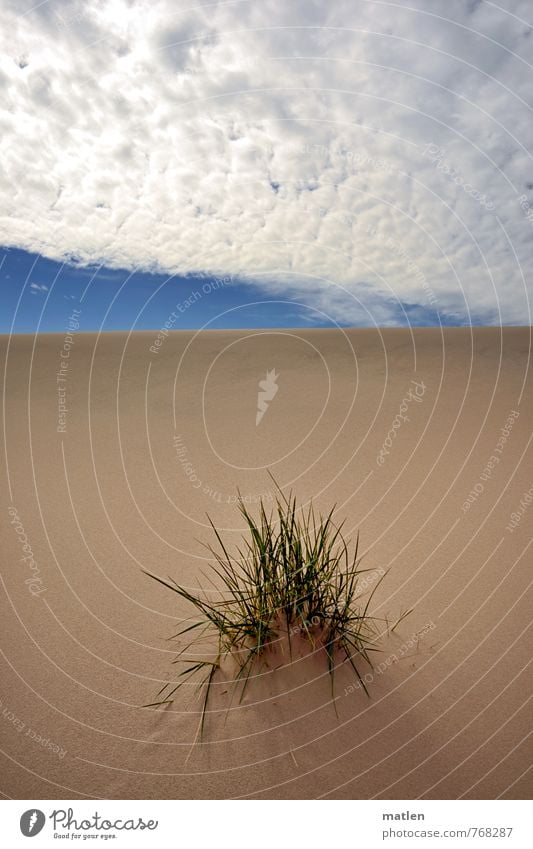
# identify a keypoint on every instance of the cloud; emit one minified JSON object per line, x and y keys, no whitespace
{"x":37,"y":287}
{"x":289,"y":144}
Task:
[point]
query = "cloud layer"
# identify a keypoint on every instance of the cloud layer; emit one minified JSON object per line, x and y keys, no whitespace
{"x":372,"y":156}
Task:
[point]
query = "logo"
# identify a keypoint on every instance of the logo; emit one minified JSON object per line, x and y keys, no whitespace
{"x":267,"y":390}
{"x":31,"y":822}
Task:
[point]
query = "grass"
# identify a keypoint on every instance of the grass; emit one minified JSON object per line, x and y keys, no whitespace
{"x":292,"y":574}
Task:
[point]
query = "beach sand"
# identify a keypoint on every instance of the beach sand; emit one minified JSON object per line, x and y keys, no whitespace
{"x":421,"y":439}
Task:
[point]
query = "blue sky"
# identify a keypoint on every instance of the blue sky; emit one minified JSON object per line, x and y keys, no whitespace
{"x":39,"y":294}
{"x":362,"y":163}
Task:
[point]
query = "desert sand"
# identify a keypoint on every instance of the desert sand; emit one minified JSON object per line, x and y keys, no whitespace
{"x":421,"y":438}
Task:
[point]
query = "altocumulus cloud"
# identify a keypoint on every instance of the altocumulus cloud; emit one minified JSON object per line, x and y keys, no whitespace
{"x":369,"y":155}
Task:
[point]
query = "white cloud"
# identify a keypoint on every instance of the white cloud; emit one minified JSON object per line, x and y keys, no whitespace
{"x":38,"y":287}
{"x":281,"y":142}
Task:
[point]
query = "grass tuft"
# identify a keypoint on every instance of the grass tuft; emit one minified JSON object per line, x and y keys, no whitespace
{"x":292,"y":575}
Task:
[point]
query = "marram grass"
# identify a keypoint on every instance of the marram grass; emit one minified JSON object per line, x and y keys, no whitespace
{"x":292,"y":574}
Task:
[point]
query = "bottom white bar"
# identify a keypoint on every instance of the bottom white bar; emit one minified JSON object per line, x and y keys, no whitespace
{"x":268,"y":824}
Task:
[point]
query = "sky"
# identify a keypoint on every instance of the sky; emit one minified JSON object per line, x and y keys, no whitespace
{"x":300,"y":163}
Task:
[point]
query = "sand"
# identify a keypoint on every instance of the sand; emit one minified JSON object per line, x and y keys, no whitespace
{"x":421,"y":438}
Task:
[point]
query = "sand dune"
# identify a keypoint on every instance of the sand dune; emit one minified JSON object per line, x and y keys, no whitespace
{"x":420,"y":437}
